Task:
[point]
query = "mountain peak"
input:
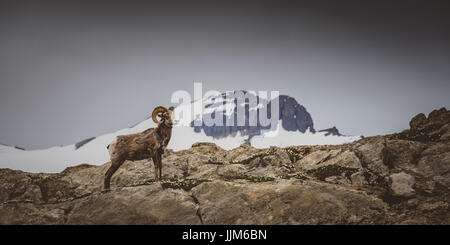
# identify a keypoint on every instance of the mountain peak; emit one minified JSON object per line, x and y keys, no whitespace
{"x":293,"y":116}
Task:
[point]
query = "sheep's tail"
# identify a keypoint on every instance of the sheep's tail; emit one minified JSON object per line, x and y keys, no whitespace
{"x":108,"y":146}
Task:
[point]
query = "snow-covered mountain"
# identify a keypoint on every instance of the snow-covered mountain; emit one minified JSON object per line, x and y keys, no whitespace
{"x":8,"y":148}
{"x":294,"y":127}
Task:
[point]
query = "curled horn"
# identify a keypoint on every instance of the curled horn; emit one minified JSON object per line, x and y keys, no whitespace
{"x":156,"y":111}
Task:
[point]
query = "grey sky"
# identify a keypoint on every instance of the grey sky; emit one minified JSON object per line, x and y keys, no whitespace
{"x":71,"y":71}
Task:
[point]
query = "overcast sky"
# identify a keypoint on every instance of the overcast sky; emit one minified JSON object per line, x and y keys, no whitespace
{"x":69,"y":71}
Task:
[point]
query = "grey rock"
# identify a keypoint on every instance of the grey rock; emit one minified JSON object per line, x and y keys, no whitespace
{"x":358,"y":179}
{"x":331,"y":131}
{"x":284,"y":202}
{"x":417,"y":120}
{"x":402,"y":185}
{"x":371,"y":153}
{"x":337,"y":179}
{"x":231,"y":171}
{"x":136,"y":205}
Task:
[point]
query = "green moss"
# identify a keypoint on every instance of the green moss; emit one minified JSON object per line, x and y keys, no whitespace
{"x":247,"y":160}
{"x":297,"y":154}
{"x":258,"y":178}
{"x":293,"y":156}
{"x":144,"y":182}
{"x":374,"y":179}
{"x":270,"y":178}
{"x":17,"y":201}
{"x":332,"y":170}
{"x":185,"y":184}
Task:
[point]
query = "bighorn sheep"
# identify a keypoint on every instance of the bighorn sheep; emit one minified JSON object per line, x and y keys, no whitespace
{"x":150,"y":143}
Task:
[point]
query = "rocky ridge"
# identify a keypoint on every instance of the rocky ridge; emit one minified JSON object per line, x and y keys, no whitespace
{"x":293,"y":116}
{"x":403,"y":178}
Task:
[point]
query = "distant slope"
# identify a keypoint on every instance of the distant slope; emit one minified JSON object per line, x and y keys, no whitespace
{"x":7,"y":148}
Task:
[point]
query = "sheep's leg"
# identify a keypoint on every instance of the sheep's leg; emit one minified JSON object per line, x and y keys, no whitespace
{"x":114,"y":166}
{"x":160,"y":166}
{"x":156,"y":162}
{"x":156,"y":170}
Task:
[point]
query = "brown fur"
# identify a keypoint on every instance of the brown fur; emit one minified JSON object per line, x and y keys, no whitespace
{"x":150,"y":143}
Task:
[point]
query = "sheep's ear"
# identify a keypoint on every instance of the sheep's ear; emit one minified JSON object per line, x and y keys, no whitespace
{"x":171,"y":108}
